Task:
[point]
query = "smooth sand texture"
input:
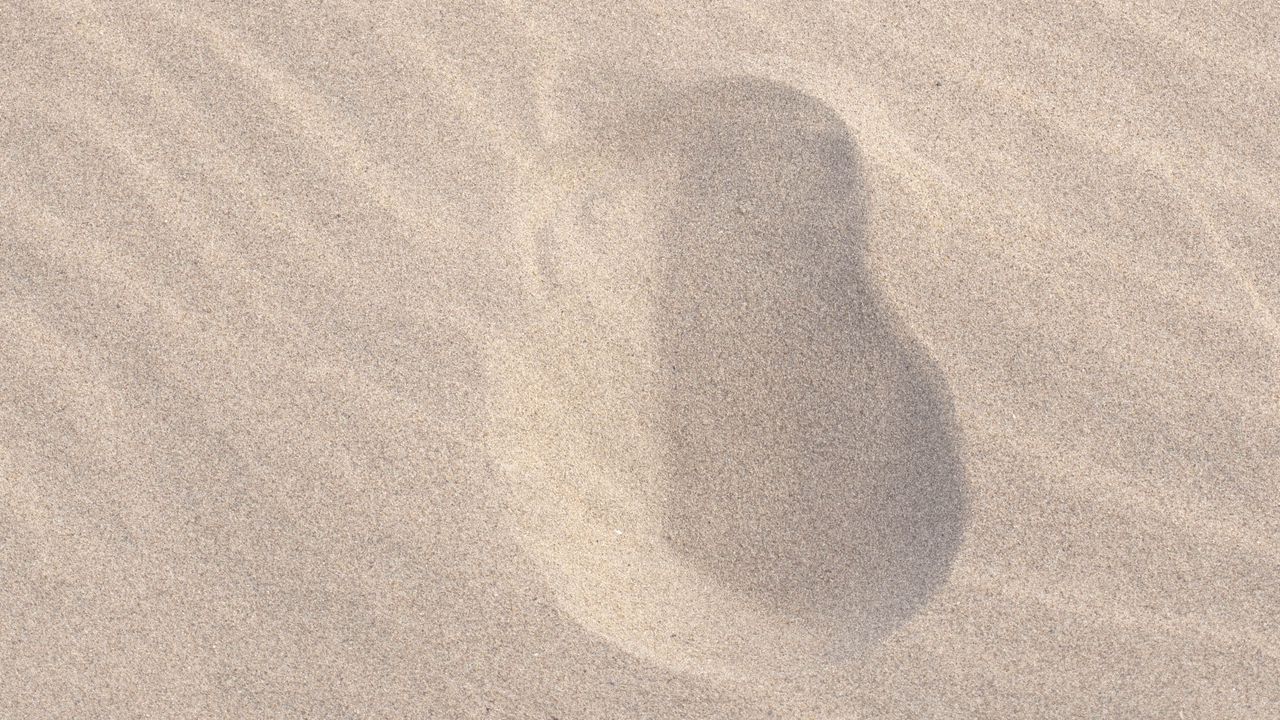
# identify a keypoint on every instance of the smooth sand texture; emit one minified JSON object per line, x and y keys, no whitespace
{"x":555,"y":361}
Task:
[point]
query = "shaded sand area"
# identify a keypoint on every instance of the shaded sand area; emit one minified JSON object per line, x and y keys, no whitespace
{"x":721,"y":447}
{"x":453,"y":361}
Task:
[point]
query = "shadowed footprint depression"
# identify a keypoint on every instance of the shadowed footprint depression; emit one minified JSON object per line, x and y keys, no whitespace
{"x":810,"y":443}
{"x":723,"y":450}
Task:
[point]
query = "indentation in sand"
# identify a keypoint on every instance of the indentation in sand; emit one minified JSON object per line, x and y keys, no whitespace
{"x":720,"y":447}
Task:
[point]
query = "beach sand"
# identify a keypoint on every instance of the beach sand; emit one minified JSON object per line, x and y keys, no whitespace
{"x":541,"y":360}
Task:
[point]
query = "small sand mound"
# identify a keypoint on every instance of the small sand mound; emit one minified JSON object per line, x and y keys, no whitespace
{"x":721,"y":448}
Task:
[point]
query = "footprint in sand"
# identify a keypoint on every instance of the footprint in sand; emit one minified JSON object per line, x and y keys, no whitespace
{"x":719,"y":446}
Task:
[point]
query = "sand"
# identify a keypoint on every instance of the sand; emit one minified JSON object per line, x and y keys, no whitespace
{"x":630,"y":360}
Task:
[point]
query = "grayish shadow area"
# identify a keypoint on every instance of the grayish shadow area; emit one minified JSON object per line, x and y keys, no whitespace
{"x":811,"y":448}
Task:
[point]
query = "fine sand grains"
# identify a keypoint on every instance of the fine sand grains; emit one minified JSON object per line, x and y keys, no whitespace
{"x":639,"y":359}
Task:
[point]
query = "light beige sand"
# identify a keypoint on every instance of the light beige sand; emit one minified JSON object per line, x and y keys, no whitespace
{"x":750,"y":361}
